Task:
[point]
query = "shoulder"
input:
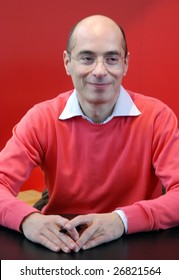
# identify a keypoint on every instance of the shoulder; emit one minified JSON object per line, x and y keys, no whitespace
{"x":148,"y":104}
{"x":55,"y":105}
{"x":44,"y":113}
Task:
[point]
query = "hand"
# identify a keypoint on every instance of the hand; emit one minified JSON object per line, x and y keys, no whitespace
{"x":99,"y":228}
{"x":45,"y":230}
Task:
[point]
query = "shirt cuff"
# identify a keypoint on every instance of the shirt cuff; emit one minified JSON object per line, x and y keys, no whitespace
{"x":123,"y":218}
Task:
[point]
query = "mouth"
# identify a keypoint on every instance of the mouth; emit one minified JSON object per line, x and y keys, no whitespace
{"x":101,"y":86}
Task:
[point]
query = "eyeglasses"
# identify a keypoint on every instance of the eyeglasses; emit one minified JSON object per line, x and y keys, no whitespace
{"x":88,"y":60}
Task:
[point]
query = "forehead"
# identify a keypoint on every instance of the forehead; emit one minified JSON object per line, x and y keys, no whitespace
{"x":99,"y":38}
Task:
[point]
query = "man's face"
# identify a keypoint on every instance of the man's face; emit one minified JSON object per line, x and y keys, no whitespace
{"x":90,"y":64}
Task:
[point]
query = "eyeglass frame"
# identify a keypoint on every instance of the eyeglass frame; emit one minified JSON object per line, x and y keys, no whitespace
{"x":95,"y":61}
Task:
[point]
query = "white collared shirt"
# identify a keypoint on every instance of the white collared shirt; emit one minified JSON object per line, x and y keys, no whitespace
{"x":124,"y":107}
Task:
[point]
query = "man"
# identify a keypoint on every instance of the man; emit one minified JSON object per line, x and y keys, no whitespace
{"x":105,"y":152}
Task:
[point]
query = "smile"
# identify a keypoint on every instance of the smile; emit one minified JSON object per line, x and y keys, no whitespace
{"x":99,"y":85}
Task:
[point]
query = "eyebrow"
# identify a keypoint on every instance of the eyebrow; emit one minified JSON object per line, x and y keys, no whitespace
{"x":84,"y":52}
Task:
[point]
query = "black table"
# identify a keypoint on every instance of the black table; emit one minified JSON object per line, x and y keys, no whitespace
{"x":161,"y":245}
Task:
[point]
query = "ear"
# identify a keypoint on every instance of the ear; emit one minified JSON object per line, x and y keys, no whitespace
{"x":66,"y":60}
{"x":126,"y":64}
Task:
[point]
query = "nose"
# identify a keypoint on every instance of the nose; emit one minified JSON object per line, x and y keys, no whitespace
{"x":99,"y":69}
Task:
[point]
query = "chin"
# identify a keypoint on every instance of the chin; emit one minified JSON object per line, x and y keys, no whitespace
{"x":98,"y":100}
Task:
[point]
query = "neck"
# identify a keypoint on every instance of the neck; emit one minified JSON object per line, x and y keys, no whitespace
{"x":97,"y":113}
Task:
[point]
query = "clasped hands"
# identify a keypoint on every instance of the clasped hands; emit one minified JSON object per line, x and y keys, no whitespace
{"x":60,"y":234}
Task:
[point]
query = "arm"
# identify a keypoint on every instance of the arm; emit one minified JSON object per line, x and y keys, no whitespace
{"x":21,"y":154}
{"x":160,"y":212}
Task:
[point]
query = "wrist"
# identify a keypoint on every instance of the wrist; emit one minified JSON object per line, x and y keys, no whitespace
{"x":123,"y":218}
{"x":25,"y":220}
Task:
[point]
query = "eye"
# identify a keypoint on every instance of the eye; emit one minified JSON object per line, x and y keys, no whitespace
{"x":86,"y":59}
{"x":112,"y":60}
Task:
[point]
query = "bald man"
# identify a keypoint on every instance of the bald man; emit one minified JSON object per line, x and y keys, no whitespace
{"x":105,"y":152}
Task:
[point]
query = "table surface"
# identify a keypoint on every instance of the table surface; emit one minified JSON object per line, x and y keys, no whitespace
{"x":161,"y":245}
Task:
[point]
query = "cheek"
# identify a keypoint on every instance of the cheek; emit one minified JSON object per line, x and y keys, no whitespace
{"x":79,"y":77}
{"x":117,"y":77}
{"x":77,"y":80}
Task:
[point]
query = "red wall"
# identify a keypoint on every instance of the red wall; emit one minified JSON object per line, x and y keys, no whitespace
{"x":33,"y":35}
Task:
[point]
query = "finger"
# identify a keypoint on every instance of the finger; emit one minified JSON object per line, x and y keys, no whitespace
{"x":87,"y":235}
{"x":61,"y":238}
{"x":94,"y":242}
{"x":46,"y":242}
{"x":53,"y":241}
{"x":68,"y":241}
{"x":49,"y":237}
{"x":78,"y":221}
{"x":61,"y":221}
{"x":73,"y":233}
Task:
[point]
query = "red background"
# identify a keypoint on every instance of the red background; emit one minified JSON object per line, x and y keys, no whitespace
{"x":33,"y":35}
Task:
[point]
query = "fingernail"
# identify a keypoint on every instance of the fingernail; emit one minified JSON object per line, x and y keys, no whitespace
{"x":66,"y":249}
{"x":68,"y":227}
{"x":76,"y":237}
{"x":57,"y":249}
{"x":76,"y":249}
{"x":72,"y":246}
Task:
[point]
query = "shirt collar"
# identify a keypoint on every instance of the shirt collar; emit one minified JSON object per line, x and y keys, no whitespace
{"x":123,"y":107}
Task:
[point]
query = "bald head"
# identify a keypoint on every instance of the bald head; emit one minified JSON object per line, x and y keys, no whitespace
{"x":96,"y":23}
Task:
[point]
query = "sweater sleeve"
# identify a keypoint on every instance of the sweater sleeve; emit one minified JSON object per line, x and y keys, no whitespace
{"x":161,"y":212}
{"x":22,"y":153}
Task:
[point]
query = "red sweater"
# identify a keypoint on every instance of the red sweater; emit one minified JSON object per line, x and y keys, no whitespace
{"x":92,"y":168}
